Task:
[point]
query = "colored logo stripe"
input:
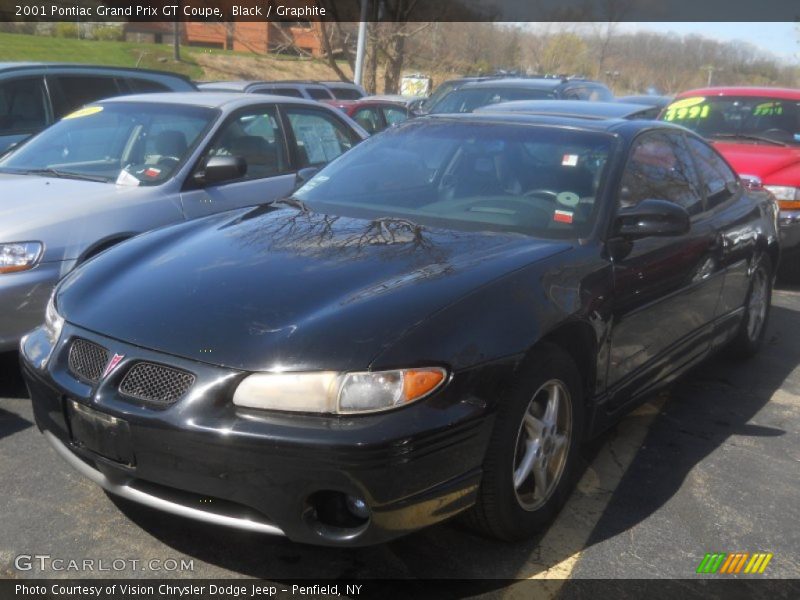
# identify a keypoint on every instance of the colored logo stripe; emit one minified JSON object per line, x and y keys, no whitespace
{"x":733,"y":563}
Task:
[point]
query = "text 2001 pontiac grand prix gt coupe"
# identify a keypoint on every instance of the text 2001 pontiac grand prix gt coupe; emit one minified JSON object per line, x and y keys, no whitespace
{"x":431,"y":325}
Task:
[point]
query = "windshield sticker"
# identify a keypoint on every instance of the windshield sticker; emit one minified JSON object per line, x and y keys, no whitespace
{"x":569,"y":160}
{"x":127,"y":178}
{"x":687,"y":108}
{"x":84,"y":112}
{"x":568,"y":199}
{"x":768,"y":108}
{"x":562,"y":216}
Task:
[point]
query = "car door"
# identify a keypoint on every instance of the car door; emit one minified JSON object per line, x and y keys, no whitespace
{"x":24,"y":109}
{"x":665,"y":288}
{"x":256,"y":135}
{"x":316,"y":135}
{"x":734,"y":214}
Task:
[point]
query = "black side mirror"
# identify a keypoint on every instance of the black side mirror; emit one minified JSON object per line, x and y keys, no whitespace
{"x":222,"y":168}
{"x":651,"y":218}
{"x":305,"y":174}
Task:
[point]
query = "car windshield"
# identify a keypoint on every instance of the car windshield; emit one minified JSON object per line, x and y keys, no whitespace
{"x":535,"y":180}
{"x":127,"y":143}
{"x":466,"y":100}
{"x":744,"y":118}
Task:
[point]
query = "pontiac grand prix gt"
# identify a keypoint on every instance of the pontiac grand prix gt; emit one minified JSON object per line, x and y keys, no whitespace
{"x":430,"y":326}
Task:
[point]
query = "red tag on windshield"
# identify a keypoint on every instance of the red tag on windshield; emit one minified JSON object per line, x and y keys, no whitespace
{"x":562,"y":216}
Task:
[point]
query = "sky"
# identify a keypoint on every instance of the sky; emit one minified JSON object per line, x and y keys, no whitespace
{"x":781,"y":39}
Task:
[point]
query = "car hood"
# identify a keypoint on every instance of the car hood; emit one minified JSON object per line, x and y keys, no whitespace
{"x":54,"y":210}
{"x":265,"y":289}
{"x":761,"y":160}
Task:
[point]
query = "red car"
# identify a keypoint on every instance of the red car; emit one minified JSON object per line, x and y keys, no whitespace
{"x":757,"y":129}
{"x":373,"y":113}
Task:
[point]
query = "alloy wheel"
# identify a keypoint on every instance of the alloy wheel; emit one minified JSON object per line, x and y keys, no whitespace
{"x":757,"y":305}
{"x":543,"y":441}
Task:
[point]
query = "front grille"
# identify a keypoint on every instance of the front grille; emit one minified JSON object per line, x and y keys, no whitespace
{"x":156,"y":383}
{"x":87,"y":360}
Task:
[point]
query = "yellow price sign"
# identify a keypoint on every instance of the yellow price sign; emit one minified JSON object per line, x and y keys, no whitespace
{"x":84,"y":112}
{"x":687,"y":108}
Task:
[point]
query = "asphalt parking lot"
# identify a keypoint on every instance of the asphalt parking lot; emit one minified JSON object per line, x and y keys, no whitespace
{"x":713,"y":465}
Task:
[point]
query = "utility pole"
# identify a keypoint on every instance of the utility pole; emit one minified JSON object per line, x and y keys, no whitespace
{"x":710,"y":69}
{"x":362,"y":44}
{"x":176,"y":39}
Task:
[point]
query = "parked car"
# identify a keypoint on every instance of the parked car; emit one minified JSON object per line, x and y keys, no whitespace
{"x":423,"y":105}
{"x":757,"y":129}
{"x":574,"y":108}
{"x":470,"y":96}
{"x":431,"y":325}
{"x":294,"y":89}
{"x":35,"y":95}
{"x":122,"y":166}
{"x":345,"y":90}
{"x":373,"y":113}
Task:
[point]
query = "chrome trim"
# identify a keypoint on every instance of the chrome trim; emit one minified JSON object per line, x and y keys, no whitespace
{"x":123,"y":490}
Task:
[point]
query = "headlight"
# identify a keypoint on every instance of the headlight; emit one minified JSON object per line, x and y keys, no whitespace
{"x":338,"y":393}
{"x":19,"y":256}
{"x":53,"y":322}
{"x":788,"y":197}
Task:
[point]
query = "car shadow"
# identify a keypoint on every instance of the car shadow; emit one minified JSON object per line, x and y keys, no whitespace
{"x":11,"y":383}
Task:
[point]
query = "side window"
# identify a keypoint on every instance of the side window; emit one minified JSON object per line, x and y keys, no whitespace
{"x":320,"y":137}
{"x":394,"y":115}
{"x":719,"y":181}
{"x":77,"y":90}
{"x":659,"y":167}
{"x":255,"y":136}
{"x":368,"y":119}
{"x":576,"y":93}
{"x":144,"y":86}
{"x":22,"y":106}
{"x":290,"y":92}
{"x":319,"y":94}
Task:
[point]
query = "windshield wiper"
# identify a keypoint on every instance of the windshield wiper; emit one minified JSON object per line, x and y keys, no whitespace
{"x":64,"y":174}
{"x":747,"y":136}
{"x":291,"y":201}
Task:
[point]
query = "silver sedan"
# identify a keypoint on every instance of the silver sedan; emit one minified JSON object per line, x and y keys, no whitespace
{"x":126,"y":165}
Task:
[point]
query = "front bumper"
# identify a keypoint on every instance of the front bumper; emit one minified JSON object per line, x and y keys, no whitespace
{"x":789,"y":228}
{"x":205,"y":459}
{"x":23,"y":297}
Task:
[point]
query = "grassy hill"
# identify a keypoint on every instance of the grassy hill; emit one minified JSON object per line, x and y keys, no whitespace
{"x":197,"y":63}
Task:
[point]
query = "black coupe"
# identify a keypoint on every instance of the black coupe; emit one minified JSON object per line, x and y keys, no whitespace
{"x":431,"y":325}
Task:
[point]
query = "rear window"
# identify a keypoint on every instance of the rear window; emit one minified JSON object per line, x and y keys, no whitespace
{"x":143,"y":86}
{"x":346,"y":93}
{"x":319,"y":94}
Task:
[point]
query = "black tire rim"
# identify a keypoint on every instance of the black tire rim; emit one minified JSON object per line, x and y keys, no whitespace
{"x":542,"y":445}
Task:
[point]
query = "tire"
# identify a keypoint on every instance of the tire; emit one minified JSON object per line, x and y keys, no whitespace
{"x":512,"y":505}
{"x":754,"y":323}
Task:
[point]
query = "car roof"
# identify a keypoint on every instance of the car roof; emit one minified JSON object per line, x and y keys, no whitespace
{"x":209,"y":99}
{"x":624,"y":127}
{"x":514,"y":82}
{"x":569,"y":108}
{"x":774,"y":92}
{"x":23,"y":65}
{"x":243,"y":85}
